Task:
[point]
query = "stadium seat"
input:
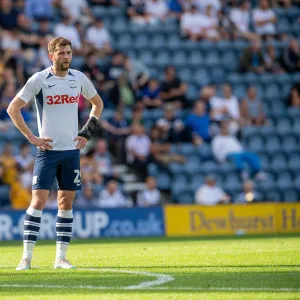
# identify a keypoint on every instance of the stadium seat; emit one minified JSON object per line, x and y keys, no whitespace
{"x":290,"y":143}
{"x":273,"y":195}
{"x":284,"y":180}
{"x":284,"y":126}
{"x":217,"y":75}
{"x":4,"y":195}
{"x":212,"y":58}
{"x":180,"y":60}
{"x":163,"y":181}
{"x":176,"y":168}
{"x":197,"y":181}
{"x":185,"y":198}
{"x":256,"y":143}
{"x":192,"y":166}
{"x":209,"y":167}
{"x":290,"y":195}
{"x":196,"y":58}
{"x":186,"y":149}
{"x":230,"y":61}
{"x":278,"y":163}
{"x":273,"y":144}
{"x":204,"y":151}
{"x":202,"y":77}
{"x":152,"y":169}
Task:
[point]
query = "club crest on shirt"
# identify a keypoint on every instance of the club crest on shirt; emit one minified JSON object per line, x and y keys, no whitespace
{"x":73,"y":84}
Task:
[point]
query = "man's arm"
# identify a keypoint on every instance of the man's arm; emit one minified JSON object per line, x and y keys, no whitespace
{"x":14,"y":111}
{"x":85,"y":133}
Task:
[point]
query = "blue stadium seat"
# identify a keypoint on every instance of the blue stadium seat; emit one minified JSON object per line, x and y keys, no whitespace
{"x":186,"y":149}
{"x":273,"y":195}
{"x":192,"y":92}
{"x":273,"y":144}
{"x":284,"y":126}
{"x":125,"y":42}
{"x":209,"y":167}
{"x":290,"y":195}
{"x":226,"y":168}
{"x":152,"y":169}
{"x":217,"y":75}
{"x":4,"y":195}
{"x":256,"y":143}
{"x":176,"y":168}
{"x":186,"y":74}
{"x":212,"y":58}
{"x":239,"y":90}
{"x":185,"y":198}
{"x":272,"y":90}
{"x":284,"y":180}
{"x":163,"y":181}
{"x":178,"y":187}
{"x":204,"y":151}
{"x":180,"y":59}
{"x":279,"y":163}
{"x":197,"y":181}
{"x":174,"y":42}
{"x":158,"y":42}
{"x":192,"y":166}
{"x":163,"y":59}
{"x":202,"y":77}
{"x":296,"y":126}
{"x":294,"y":162}
{"x":196,"y":58}
{"x":230,"y":61}
{"x":290,"y":143}
{"x":147,"y":57}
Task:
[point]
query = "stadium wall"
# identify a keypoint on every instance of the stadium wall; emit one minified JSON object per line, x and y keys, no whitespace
{"x":170,"y":220}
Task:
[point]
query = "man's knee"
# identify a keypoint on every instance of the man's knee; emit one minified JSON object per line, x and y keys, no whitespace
{"x":39,"y":199}
{"x":65,"y":199}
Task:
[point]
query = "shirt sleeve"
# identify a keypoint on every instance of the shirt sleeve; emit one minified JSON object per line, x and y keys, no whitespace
{"x":88,"y":89}
{"x":30,"y":89}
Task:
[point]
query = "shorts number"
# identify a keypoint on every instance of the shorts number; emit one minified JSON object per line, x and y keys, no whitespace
{"x":77,"y":179}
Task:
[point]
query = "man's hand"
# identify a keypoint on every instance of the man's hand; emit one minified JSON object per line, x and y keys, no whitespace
{"x":41,"y":142}
{"x":81,"y":142}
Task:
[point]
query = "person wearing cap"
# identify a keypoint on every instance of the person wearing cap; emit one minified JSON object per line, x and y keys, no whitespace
{"x":210,"y":194}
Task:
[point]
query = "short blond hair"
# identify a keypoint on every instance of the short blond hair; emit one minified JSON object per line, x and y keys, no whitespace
{"x":57,"y":43}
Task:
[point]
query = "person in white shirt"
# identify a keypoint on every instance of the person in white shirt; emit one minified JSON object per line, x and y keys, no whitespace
{"x":226,"y":147}
{"x":25,"y":159}
{"x":240,"y":16}
{"x":98,"y":36}
{"x":210,"y":193}
{"x":138,"y":146}
{"x":202,"y":6}
{"x":150,"y":196}
{"x":156,"y":10}
{"x":264,"y":19}
{"x":111,"y":197}
{"x":226,"y":108}
{"x":67,"y":30}
{"x":78,"y":10}
{"x":194,"y":24}
{"x":56,"y":91}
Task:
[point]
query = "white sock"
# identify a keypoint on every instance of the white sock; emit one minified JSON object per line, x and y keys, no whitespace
{"x":32,"y":223}
{"x":64,"y":225}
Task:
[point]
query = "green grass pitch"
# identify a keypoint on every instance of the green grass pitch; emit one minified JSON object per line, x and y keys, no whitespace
{"x":158,"y":268}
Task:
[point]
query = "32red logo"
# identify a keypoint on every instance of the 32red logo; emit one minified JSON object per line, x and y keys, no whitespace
{"x":62,"y":99}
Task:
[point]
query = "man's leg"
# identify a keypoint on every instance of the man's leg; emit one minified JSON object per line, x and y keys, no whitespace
{"x":237,"y":159}
{"x":253,"y":160}
{"x":32,"y":225}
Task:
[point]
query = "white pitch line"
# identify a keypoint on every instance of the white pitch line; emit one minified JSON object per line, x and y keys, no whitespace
{"x":203,"y":289}
{"x":160,"y":278}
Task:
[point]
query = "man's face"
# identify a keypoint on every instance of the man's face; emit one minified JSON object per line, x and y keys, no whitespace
{"x":62,"y":58}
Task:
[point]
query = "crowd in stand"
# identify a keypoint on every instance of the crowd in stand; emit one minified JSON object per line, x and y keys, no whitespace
{"x":126,"y":84}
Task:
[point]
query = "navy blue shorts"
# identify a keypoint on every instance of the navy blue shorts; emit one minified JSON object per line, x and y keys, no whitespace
{"x":62,"y":165}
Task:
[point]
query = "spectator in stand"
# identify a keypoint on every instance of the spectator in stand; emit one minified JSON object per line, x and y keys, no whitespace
{"x":227,"y":108}
{"x":151,"y":94}
{"x":172,"y":128}
{"x":9,"y":163}
{"x":172,"y":89}
{"x":122,"y":94}
{"x":111,"y":196}
{"x":103,"y":161}
{"x":91,"y":69}
{"x":161,"y":149}
{"x":198,"y":123}
{"x":291,"y":57}
{"x":78,"y":10}
{"x":191,"y":24}
{"x":1,"y":173}
{"x":52,"y":200}
{"x":252,"y":110}
{"x":210,"y":25}
{"x":294,"y":97}
{"x":137,"y":73}
{"x":138,"y":146}
{"x":87,"y":198}
{"x":136,"y":10}
{"x":264,"y":19}
{"x":115,"y":68}
{"x":252,"y":59}
{"x":226,"y":147}
{"x":283,"y":3}
{"x":45,"y":29}
{"x":69,"y":31}
{"x":98,"y":37}
{"x":203,"y":4}
{"x":156,"y":10}
{"x":8,"y":15}
{"x":20,"y":197}
{"x":210,"y":194}
{"x":240,"y":16}
{"x":27,"y":36}
{"x":176,"y":7}
{"x":249,"y":195}
{"x":39,"y":9}
{"x":271,"y":60}
{"x":150,"y":196}
{"x":25,"y":159}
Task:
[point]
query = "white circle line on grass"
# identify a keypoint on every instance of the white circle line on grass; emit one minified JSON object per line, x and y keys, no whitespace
{"x":160,"y":278}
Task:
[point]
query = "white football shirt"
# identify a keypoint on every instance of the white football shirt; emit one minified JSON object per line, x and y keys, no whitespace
{"x":56,"y":99}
